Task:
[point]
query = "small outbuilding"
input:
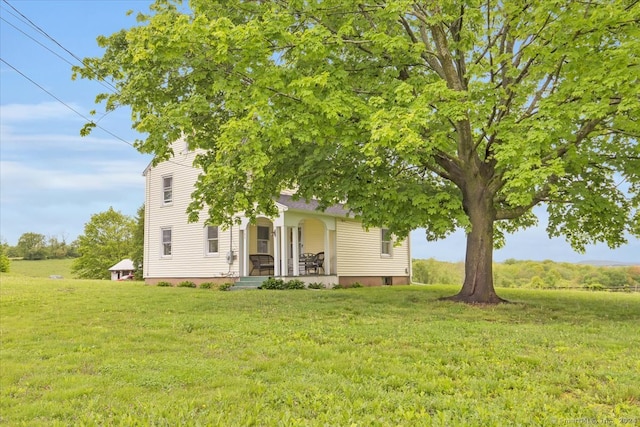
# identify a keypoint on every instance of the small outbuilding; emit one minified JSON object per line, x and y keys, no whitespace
{"x":122,"y":269}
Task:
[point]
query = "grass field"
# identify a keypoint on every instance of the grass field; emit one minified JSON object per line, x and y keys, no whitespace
{"x":42,"y":268}
{"x":77,"y":352}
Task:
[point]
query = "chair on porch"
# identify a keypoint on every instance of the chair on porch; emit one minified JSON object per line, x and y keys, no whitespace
{"x":306,"y":262}
{"x":316,"y":264}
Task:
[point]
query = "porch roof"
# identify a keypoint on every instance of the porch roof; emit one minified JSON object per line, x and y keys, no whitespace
{"x":124,"y":265}
{"x":311,"y":205}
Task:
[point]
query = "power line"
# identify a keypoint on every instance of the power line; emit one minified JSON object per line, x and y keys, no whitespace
{"x":102,"y":82}
{"x":109,"y":86}
{"x":43,"y":32}
{"x":33,"y":25}
{"x":94,"y":123}
{"x":65,"y":104}
{"x":41,"y":44}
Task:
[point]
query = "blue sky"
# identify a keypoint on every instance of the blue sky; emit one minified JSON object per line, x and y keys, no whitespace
{"x":52,"y":180}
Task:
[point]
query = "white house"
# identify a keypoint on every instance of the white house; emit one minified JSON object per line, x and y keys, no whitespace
{"x":122,"y":269}
{"x":301,"y":242}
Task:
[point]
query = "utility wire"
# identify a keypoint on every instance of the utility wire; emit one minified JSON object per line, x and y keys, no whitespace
{"x":102,"y":128}
{"x":43,"y":32}
{"x":52,"y":51}
{"x":102,"y":81}
{"x":66,"y":105}
{"x":41,"y":44}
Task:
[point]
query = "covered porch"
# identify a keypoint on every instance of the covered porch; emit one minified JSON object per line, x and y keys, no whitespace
{"x":294,"y":244}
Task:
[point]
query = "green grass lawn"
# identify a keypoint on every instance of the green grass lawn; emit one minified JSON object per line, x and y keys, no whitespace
{"x":77,"y":352}
{"x":42,"y":268}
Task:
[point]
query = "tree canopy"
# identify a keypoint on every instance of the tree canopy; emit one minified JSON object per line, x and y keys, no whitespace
{"x":32,"y":246}
{"x":107,"y":239}
{"x":5,"y":264}
{"x":442,"y":115}
{"x":36,"y":246}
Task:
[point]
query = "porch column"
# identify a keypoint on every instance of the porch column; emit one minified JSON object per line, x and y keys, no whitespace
{"x":276,"y":252}
{"x":327,"y":252}
{"x":296,"y":252}
{"x":283,"y":250}
{"x":246,"y":251}
{"x":241,"y":254}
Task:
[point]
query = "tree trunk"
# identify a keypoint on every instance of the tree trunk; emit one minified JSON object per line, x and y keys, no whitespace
{"x":478,"y":268}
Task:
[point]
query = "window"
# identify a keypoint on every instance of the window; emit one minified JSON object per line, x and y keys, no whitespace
{"x":385,"y":236}
{"x":212,"y":240}
{"x":166,"y":242}
{"x":263,"y":239}
{"x":167,"y":190}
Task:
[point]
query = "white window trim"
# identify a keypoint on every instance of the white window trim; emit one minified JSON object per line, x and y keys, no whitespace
{"x":206,"y":241}
{"x":162,"y":242}
{"x":164,"y":189}
{"x":383,"y":254}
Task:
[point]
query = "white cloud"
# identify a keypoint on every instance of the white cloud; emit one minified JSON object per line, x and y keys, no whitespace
{"x":37,"y":112}
{"x":23,"y":141}
{"x":102,"y":175}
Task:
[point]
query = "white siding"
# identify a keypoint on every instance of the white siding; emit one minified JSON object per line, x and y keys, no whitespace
{"x":188,"y":255}
{"x":359,"y":252}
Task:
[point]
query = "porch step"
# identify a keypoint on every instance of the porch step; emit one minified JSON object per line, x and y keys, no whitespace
{"x":249,"y":282}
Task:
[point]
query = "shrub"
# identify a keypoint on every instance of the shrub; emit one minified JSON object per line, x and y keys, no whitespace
{"x":5,"y":265}
{"x":279,"y":284}
{"x":338,"y":286}
{"x":594,"y":287}
{"x":164,"y":284}
{"x":207,"y":285}
{"x":225,"y":286}
{"x":273,"y":283}
{"x":315,"y":285}
{"x":294,"y":284}
{"x":186,"y":284}
{"x":537,"y":283}
{"x":356,"y":285}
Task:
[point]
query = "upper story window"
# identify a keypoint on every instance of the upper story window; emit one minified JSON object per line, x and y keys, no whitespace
{"x":212,"y":239}
{"x":385,"y":237}
{"x":167,"y":190}
{"x":166,"y":241}
{"x":263,"y":239}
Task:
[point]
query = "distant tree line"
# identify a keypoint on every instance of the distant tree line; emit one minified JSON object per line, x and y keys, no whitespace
{"x":36,"y":246}
{"x":108,"y":238}
{"x":534,"y":274}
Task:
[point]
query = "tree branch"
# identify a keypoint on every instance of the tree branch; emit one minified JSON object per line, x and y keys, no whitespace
{"x":582,"y":133}
{"x":538,"y":95}
{"x":446,"y":59}
{"x":518,"y":211}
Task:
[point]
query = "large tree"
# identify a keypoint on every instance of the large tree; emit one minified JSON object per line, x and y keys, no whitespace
{"x":107,"y":239}
{"x":445,"y":114}
{"x":32,"y":246}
